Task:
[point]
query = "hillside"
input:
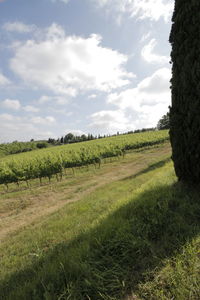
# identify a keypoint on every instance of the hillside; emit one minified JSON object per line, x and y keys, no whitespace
{"x":54,"y":161}
{"x":126,"y":230}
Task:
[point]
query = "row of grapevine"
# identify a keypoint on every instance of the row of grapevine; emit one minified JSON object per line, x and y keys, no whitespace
{"x":49,"y":163}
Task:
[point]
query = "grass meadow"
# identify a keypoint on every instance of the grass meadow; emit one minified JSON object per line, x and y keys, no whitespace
{"x":136,"y":237}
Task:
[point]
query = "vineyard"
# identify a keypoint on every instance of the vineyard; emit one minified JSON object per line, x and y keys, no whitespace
{"x":19,"y":147}
{"x":53,"y":161}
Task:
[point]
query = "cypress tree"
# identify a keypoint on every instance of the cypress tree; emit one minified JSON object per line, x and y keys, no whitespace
{"x":185,"y":109}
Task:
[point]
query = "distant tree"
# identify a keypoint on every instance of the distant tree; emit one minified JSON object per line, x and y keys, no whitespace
{"x":163,"y":123}
{"x":41,"y":145}
{"x":90,"y":137}
{"x":83,"y":137}
{"x":68,"y":138}
{"x":185,"y":110}
{"x":58,"y":142}
{"x":51,"y":141}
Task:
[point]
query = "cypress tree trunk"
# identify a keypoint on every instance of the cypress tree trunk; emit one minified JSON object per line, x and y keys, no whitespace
{"x":185,"y":110}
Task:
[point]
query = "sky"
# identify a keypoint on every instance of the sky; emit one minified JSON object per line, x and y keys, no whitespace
{"x":83,"y":66}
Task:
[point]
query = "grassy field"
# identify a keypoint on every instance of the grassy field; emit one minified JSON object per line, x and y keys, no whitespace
{"x":126,"y":231}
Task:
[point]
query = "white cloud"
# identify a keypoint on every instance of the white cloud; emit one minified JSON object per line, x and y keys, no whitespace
{"x":3,"y":80}
{"x":18,"y":27}
{"x":59,"y":100}
{"x":61,"y":112}
{"x":93,"y":96}
{"x":44,"y":99}
{"x":151,"y":57}
{"x":64,"y":1}
{"x":43,"y":120}
{"x":70,"y":64}
{"x":11,"y":104}
{"x":30,"y":108}
{"x":141,"y":9}
{"x":110,"y":121}
{"x":21,"y":129}
{"x":148,"y":101}
{"x":153,"y":9}
{"x":156,"y":84}
{"x":145,"y":37}
{"x":54,"y":32}
{"x":6,"y":117}
{"x":150,"y":91}
{"x":50,"y":119}
{"x":75,"y":132}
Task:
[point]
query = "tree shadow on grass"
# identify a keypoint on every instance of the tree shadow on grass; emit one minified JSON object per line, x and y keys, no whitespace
{"x":113,"y":258}
{"x":151,"y":167}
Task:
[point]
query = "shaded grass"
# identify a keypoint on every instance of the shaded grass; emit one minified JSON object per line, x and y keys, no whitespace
{"x":151,"y":167}
{"x":178,"y":279}
{"x":141,"y":239}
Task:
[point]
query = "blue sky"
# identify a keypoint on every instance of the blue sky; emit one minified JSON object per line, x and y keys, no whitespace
{"x":82,"y":66}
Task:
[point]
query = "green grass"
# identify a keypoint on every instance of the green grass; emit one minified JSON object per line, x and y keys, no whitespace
{"x":179,"y":278}
{"x":138,"y":236}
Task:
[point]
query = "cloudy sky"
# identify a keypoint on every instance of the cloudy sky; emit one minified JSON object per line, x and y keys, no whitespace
{"x":82,"y":66}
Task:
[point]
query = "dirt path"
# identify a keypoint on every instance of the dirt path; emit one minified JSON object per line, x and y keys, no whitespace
{"x":32,"y":208}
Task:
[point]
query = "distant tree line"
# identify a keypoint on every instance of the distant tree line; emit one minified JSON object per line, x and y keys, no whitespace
{"x":70,"y":138}
{"x":18,"y":147}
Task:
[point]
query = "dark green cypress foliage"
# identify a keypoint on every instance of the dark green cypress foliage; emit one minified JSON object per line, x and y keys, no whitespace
{"x":185,"y":110}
